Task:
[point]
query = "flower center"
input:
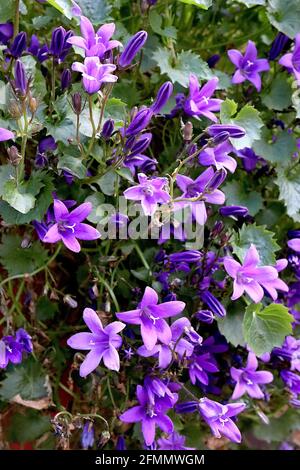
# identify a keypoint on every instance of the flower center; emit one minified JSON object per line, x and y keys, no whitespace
{"x":148,"y":190}
{"x":66,"y":228}
{"x":242,"y":278}
{"x":150,"y":412}
{"x":147,"y":313}
{"x":193,"y":191}
{"x":205,"y":99}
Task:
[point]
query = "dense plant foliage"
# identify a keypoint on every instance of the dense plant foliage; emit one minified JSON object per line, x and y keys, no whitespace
{"x":150,"y":210}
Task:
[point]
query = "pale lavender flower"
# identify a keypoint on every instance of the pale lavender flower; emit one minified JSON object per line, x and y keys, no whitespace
{"x":248,"y":379}
{"x":88,"y":435}
{"x":69,"y":226}
{"x":102,"y":343}
{"x":95,"y":44}
{"x":218,"y":417}
{"x":24,"y":339}
{"x":199,"y":101}
{"x":294,"y":244}
{"x":150,"y":192}
{"x":5,"y":134}
{"x":94,"y":74}
{"x":248,"y":66}
{"x":150,"y":316}
{"x":292,"y":60}
{"x":173,"y":442}
{"x":218,"y":157}
{"x":251,"y":277}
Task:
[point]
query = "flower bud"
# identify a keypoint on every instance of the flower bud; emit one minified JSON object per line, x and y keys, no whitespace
{"x":14,"y":110}
{"x":190,"y":256}
{"x":162,"y":97}
{"x":70,"y":301}
{"x":107,"y":129}
{"x":33,"y":105}
{"x":57,"y":41}
{"x":142,"y":143}
{"x":206,"y":316}
{"x":20,"y":78}
{"x":14,"y":156}
{"x":237,"y":211}
{"x":220,"y":138}
{"x":215,"y":306}
{"x":187,"y":407}
{"x":218,"y":178}
{"x":236,"y":132}
{"x":139,"y":122}
{"x":187,"y":131}
{"x":65,"y":79}
{"x":77,"y":103}
{"x":213,"y":60}
{"x":132,"y":48}
{"x":6,"y":32}
{"x":19,"y":45}
{"x":280,"y":43}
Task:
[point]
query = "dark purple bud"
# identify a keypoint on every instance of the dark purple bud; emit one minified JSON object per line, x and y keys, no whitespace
{"x":142,"y":143}
{"x":120,"y":445}
{"x":191,"y":256}
{"x":294,"y":233}
{"x":235,"y":132}
{"x":107,"y":129}
{"x":47,"y":144}
{"x":187,"y":407}
{"x":6,"y":32}
{"x":139,"y":122}
{"x":59,"y":45}
{"x":77,"y":103}
{"x":237,"y":211}
{"x":65,"y":79}
{"x":206,"y":316}
{"x":41,"y":228}
{"x":220,"y":138}
{"x":34,"y":45}
{"x":217,"y":229}
{"x":24,"y":339}
{"x":218,"y":178}
{"x":213,"y":60}
{"x":215,"y":306}
{"x":19,"y":45}
{"x":278,"y":45}
{"x":162,"y":97}
{"x":43,"y":53}
{"x":171,"y":297}
{"x":132,"y":48}
{"x":20,"y":78}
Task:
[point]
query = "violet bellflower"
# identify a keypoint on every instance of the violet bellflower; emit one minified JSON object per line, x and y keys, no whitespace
{"x":157,"y":388}
{"x":248,"y":379}
{"x":173,"y":442}
{"x":213,"y":303}
{"x":46,"y":146}
{"x":294,"y":244}
{"x":201,"y":365}
{"x":59,"y":46}
{"x":10,"y":351}
{"x":20,"y":78}
{"x":150,"y":191}
{"x":132,"y":48}
{"x":234,"y":211}
{"x":101,"y":342}
{"x":65,"y":79}
{"x":290,"y":350}
{"x":199,"y":101}
{"x":5,"y":134}
{"x":235,"y":132}
{"x":94,"y":74}
{"x":292,"y":60}
{"x":218,"y":157}
{"x":95,"y":44}
{"x":218,"y":417}
{"x":25,"y":340}
{"x":280,"y":43}
{"x":68,"y":226}
{"x":134,"y":149}
{"x":149,"y":415}
{"x":107,"y":129}
{"x":140,"y":121}
{"x":199,"y":188}
{"x":162,"y":97}
{"x":251,"y":278}
{"x":88,"y":435}
{"x":151,"y":318}
{"x":6,"y":32}
{"x":19,"y":45}
{"x":248,"y":65}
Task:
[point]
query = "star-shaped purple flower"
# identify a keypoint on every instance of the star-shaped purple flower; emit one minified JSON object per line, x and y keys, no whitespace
{"x":218,"y":156}
{"x":248,"y":66}
{"x":69,"y":226}
{"x":199,"y":101}
{"x":150,"y":192}
{"x":248,"y":379}
{"x":292,"y":60}
{"x":94,"y":74}
{"x":150,"y":316}
{"x":173,"y":442}
{"x":10,"y":351}
{"x":102,"y":343}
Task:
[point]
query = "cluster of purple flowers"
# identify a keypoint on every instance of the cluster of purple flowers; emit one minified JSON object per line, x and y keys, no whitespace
{"x":13,"y":347}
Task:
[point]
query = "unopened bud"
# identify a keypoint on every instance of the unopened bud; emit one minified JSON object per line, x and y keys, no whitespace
{"x":70,"y":301}
{"x":187,"y":131}
{"x":14,"y":156}
{"x":133,"y":112}
{"x":33,"y":104}
{"x":25,"y":243}
{"x":77,"y":103}
{"x":14,"y":110}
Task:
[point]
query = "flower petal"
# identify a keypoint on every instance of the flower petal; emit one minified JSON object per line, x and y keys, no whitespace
{"x":81,"y":341}
{"x":92,"y":321}
{"x":91,"y":362}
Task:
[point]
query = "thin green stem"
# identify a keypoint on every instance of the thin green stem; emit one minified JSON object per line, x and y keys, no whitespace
{"x":53,"y":82}
{"x":142,"y":257}
{"x":110,"y":291}
{"x":110,"y":394}
{"x":17,"y":17}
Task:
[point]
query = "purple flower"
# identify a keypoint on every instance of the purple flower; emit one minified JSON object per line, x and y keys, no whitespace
{"x":235,"y":132}
{"x":102,"y":343}
{"x":69,"y":226}
{"x":20,"y":78}
{"x":236,"y":211}
{"x":46,"y":145}
{"x":88,"y":435}
{"x":95,"y":44}
{"x":251,"y":277}
{"x":121,"y":444}
{"x":149,"y":415}
{"x":6,"y":32}
{"x":173,"y":442}
{"x":294,"y":244}
{"x":150,"y":316}
{"x":292,"y":60}
{"x":132,"y":48}
{"x":107,"y":129}
{"x":162,"y":97}
{"x":198,"y":189}
{"x":19,"y":45}
{"x":290,"y":350}
{"x":65,"y":79}
{"x":249,"y":158}
{"x":10,"y":351}
{"x":213,"y":303}
{"x":199,"y":101}
{"x":156,"y":388}
{"x":280,"y":42}
{"x":292,"y":381}
{"x":150,"y":192}
{"x":206,"y":316}
{"x":248,"y":379}
{"x":139,"y":122}
{"x":94,"y":74}
{"x":190,"y":256}
{"x":5,"y":134}
{"x":218,"y":157}
{"x":201,"y":366}
{"x":218,"y":417}
{"x":24,"y":339}
{"x":59,"y":46}
{"x":248,"y":66}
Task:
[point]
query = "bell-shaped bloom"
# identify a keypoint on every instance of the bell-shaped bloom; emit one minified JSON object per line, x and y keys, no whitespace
{"x":69,"y":226}
{"x":294,"y":244}
{"x":95,"y":44}
{"x":199,"y":190}
{"x":292,"y":60}
{"x":248,"y":66}
{"x":278,"y":284}
{"x":218,"y":157}
{"x":248,"y":379}
{"x":132,"y":48}
{"x":59,"y":46}
{"x":94,"y":74}
{"x":201,"y":366}
{"x":149,"y":415}
{"x":25,"y":340}
{"x":250,"y":277}
{"x":199,"y":101}
{"x":173,"y":442}
{"x":150,"y":192}
{"x":151,"y":318}
{"x":10,"y":351}
{"x":101,"y":342}
{"x":5,"y":134}
{"x":218,"y":417}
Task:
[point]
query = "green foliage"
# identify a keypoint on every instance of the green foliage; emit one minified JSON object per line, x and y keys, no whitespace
{"x":231,"y":326}
{"x":279,"y":428}
{"x":18,"y":260}
{"x":266,"y":328}
{"x":288,"y":182}
{"x":205,"y":4}
{"x":46,"y":309}
{"x":279,"y":152}
{"x":28,"y":426}
{"x":285,"y":16}
{"x":280,"y":95}
{"x":73,"y":165}
{"x":262,"y":238}
{"x":238,"y":193}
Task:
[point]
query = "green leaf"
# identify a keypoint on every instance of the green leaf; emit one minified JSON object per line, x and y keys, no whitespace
{"x":263,"y":240}
{"x":27,"y":380}
{"x":6,"y":11}
{"x":156,"y":21}
{"x":204,"y":4}
{"x":126,"y":174}
{"x":252,"y":3}
{"x":18,"y":197}
{"x":96,"y":199}
{"x":98,"y":10}
{"x":238,"y":194}
{"x":46,"y":309}
{"x":248,"y":118}
{"x":280,"y":96}
{"x":266,"y":328}
{"x":107,"y":182}
{"x":18,"y":260}
{"x":231,"y":326}
{"x":285,"y":16}
{"x":63,"y":6}
{"x":73,"y":165}
{"x":278,"y":429}
{"x":28,"y":426}
{"x":288,"y":182}
{"x":280,"y":152}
